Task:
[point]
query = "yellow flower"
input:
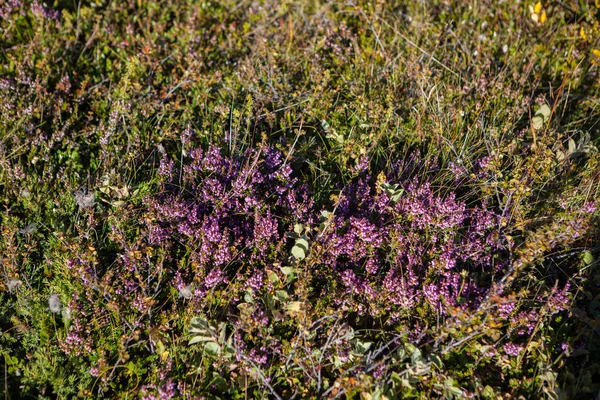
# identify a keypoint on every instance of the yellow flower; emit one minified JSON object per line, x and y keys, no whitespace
{"x":538,"y":14}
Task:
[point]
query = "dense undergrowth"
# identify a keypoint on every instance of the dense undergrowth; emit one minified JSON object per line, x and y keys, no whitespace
{"x":360,"y":200}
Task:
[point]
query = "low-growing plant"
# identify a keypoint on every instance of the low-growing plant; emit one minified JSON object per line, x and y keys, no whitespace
{"x":372,"y":200}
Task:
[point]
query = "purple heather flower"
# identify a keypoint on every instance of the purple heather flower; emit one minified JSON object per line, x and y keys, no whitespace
{"x":362,"y":164}
{"x":512,"y":349}
{"x":43,"y":11}
{"x":213,"y":278}
{"x":166,"y":167}
{"x":559,"y":300}
{"x":458,"y":170}
{"x":505,"y":309}
{"x":256,"y":281}
{"x":589,"y":207}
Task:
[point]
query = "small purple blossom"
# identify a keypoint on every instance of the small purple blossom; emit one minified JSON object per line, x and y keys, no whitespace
{"x":512,"y":349}
{"x":41,"y":10}
{"x":458,"y":170}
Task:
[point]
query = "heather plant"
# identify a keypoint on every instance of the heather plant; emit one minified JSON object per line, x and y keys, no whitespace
{"x":299,"y":199}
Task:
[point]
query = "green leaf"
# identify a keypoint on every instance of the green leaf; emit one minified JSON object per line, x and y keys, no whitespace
{"x":542,"y":115}
{"x":298,"y":253}
{"x":223,"y":332}
{"x":199,"y":323}
{"x":362,"y":348}
{"x":400,"y":381}
{"x":248,"y":297}
{"x":416,"y":356}
{"x":436,"y":360}
{"x":288,"y":271}
{"x":229,"y":351}
{"x":397,"y":194}
{"x":337,"y":362}
{"x":588,"y":258}
{"x":118,"y":203}
{"x":212,"y":349}
{"x":11,"y":360}
{"x":488,"y":392}
{"x":299,"y":228}
{"x":272,"y":276}
{"x":389,"y":188}
{"x":198,"y":339}
{"x":545,"y":111}
{"x":302,"y":243}
{"x":537,"y":122}
{"x":160,"y":347}
{"x":572,"y":146}
{"x":281,"y":295}
{"x":394,"y":191}
{"x":269,"y":301}
{"x":400,"y":354}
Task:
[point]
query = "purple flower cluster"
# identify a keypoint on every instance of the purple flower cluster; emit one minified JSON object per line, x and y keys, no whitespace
{"x":512,"y":349}
{"x":38,"y":9}
{"x":387,"y":253}
{"x":424,"y":247}
{"x":159,"y":392}
{"x":227,"y":210}
{"x":10,"y":6}
{"x":42,"y":11}
{"x":392,"y":249}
